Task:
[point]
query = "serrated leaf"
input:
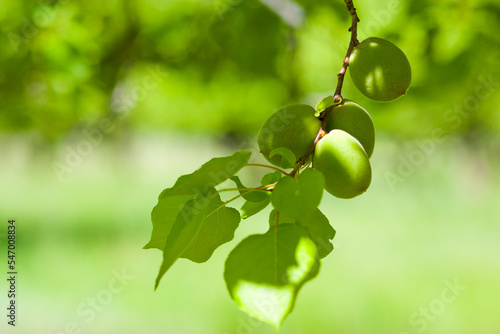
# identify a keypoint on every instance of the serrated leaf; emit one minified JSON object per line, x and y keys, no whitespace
{"x":217,"y":228}
{"x":299,"y":196}
{"x":288,"y":158}
{"x":171,"y":200}
{"x":265,"y":272}
{"x":248,"y":193}
{"x":249,"y":209}
{"x":316,"y":223}
{"x":185,"y":229}
{"x":210,"y":174}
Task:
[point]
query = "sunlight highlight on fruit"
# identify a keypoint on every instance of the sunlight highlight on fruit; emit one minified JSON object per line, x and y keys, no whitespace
{"x":344,"y":163}
{"x":353,"y":119}
{"x":379,"y":69}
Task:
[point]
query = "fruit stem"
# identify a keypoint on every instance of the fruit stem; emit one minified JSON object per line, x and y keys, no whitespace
{"x":337,"y":96}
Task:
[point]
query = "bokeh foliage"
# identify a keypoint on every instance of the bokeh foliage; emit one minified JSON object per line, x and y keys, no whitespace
{"x":223,"y":66}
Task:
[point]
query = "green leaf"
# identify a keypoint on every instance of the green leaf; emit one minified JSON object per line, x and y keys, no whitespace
{"x":325,"y":103}
{"x":318,"y":226}
{"x":288,"y":158}
{"x":279,"y":217}
{"x":271,"y":178}
{"x":299,"y":196}
{"x":210,"y":174}
{"x":163,"y":217}
{"x":217,"y":228}
{"x":265,"y":272}
{"x":249,"y":209}
{"x":248,"y":193}
{"x":171,"y":200}
{"x":185,"y":230}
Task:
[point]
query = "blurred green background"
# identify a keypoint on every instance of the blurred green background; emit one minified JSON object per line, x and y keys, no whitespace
{"x":104,"y":104}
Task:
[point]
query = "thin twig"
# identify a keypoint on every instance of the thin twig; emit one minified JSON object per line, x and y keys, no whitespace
{"x":337,"y":97}
{"x":354,"y":41}
{"x":267,"y":166}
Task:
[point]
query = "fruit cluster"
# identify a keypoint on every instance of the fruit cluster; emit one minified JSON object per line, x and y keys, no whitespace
{"x":265,"y":272}
{"x":340,"y":130}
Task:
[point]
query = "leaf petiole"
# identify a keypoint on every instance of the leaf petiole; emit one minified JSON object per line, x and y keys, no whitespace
{"x":267,"y":166}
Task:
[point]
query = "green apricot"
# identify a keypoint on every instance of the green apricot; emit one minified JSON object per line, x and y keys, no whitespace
{"x":344,"y":163}
{"x":353,"y":119}
{"x":293,"y":127}
{"x":379,"y":69}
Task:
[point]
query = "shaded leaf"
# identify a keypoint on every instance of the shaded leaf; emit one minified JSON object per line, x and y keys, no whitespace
{"x":288,"y":158}
{"x":248,"y":193}
{"x":271,"y":178}
{"x":264,"y":272}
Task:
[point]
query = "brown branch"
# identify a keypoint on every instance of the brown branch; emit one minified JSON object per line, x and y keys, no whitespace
{"x":337,"y":97}
{"x":354,"y":41}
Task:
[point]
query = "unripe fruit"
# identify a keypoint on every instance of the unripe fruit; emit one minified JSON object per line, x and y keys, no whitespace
{"x":294,"y":127}
{"x":353,"y":119}
{"x":344,"y":163}
{"x":379,"y":69}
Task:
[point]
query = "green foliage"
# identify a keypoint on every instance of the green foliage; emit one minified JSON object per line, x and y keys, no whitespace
{"x":285,"y":157}
{"x":325,"y":103}
{"x":298,"y":197}
{"x":265,"y":272}
{"x":317,"y":224}
{"x":249,"y":208}
{"x":191,"y":209}
{"x":232,"y":60}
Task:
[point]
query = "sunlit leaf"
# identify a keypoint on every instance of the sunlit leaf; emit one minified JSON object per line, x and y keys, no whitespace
{"x":265,"y":272}
{"x":217,"y":228}
{"x":325,"y":103}
{"x":210,"y":174}
{"x":171,"y":200}
{"x":163,"y":217}
{"x":316,"y":223}
{"x":185,"y":230}
{"x":299,"y":196}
